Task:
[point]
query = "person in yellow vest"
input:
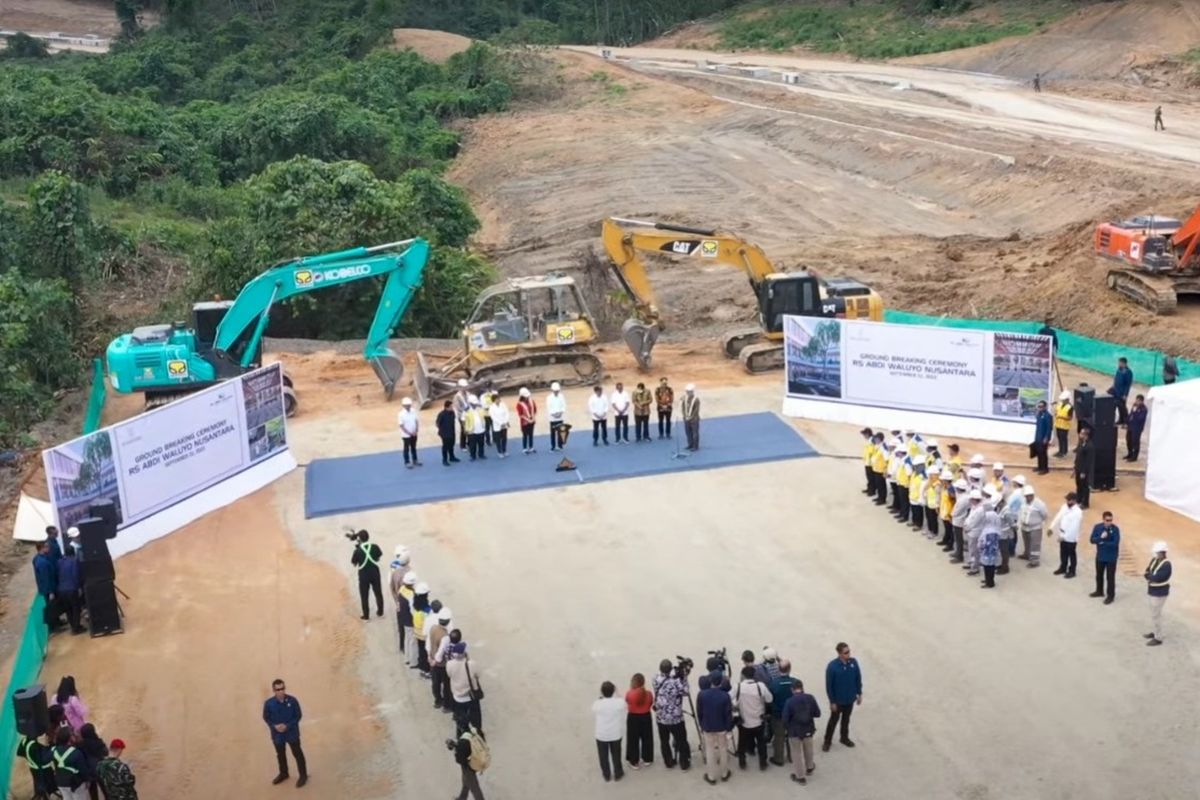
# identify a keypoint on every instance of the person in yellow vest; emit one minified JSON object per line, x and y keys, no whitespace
{"x":955,"y":461}
{"x":914,"y":444}
{"x":485,"y":402}
{"x":868,"y":450}
{"x":916,"y":494}
{"x":946,"y":509}
{"x":421,"y":609}
{"x":475,"y":421}
{"x":933,"y":458}
{"x":409,"y":646}
{"x":933,"y":500}
{"x":1064,"y":414}
{"x":897,"y":476}
{"x":879,"y":459}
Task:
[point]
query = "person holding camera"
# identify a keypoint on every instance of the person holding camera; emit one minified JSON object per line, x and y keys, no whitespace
{"x":462,"y":748}
{"x":714,"y":712}
{"x":366,"y":558}
{"x":670,"y":687}
{"x":752,"y":699}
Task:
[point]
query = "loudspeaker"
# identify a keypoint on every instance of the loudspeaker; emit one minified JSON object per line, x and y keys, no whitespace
{"x":104,"y":615}
{"x":93,"y":549}
{"x":1084,"y":402}
{"x":31,"y":710}
{"x":1104,"y":439}
{"x":1104,"y":412}
{"x":105,"y":510}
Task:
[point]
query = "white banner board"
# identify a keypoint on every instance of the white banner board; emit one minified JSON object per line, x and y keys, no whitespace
{"x":153,"y":461}
{"x":920,"y":369}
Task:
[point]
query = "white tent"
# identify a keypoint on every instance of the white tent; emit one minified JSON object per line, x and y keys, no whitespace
{"x":1174,"y":457}
{"x":33,"y":516}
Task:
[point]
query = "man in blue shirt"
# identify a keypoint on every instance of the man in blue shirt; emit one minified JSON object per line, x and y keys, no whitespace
{"x":1137,"y":424}
{"x":714,"y":711}
{"x":69,"y":586}
{"x":46,"y":575}
{"x":282,"y":714}
{"x":843,"y":685}
{"x":1043,"y":432}
{"x":1107,"y":538}
{"x":1122,"y":383}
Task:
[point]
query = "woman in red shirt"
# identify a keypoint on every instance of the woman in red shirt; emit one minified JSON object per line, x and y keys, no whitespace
{"x":639,"y":728}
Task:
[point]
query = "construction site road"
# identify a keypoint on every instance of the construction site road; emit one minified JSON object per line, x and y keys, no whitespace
{"x":963,"y":98}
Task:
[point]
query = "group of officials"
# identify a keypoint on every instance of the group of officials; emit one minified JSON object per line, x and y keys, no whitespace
{"x":984,"y":514}
{"x":477,"y":423}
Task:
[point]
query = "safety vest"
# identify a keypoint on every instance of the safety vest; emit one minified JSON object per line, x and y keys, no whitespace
{"x":903,"y":473}
{"x":407,"y":593}
{"x":1155,"y":564}
{"x":947,"y":504}
{"x":419,"y":624}
{"x":931,"y":493}
{"x":914,"y":448}
{"x":24,"y":748}
{"x":878,"y":460}
{"x":955,"y":465}
{"x":1062,"y":415}
{"x":365,"y":547}
{"x":914,"y":488}
{"x":868,"y":452}
{"x":60,"y":759}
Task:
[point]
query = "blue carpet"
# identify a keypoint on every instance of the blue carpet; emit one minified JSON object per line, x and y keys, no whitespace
{"x":379,"y":480}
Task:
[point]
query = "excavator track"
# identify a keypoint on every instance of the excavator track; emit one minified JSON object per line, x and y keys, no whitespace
{"x":538,"y":370}
{"x":762,"y":357}
{"x":732,"y":344}
{"x":1151,"y":291}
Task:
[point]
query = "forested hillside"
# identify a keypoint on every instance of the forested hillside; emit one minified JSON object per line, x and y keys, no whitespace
{"x":234,"y":135}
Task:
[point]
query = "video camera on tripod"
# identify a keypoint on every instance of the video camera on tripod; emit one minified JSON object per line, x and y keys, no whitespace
{"x":718,"y":661}
{"x":683,"y":667}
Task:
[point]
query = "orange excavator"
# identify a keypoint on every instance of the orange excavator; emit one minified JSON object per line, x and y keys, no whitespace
{"x":1160,"y":258}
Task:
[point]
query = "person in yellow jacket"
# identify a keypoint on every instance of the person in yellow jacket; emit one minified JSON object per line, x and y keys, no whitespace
{"x":899,"y":475}
{"x":933,"y":458}
{"x":954,"y":462}
{"x":933,"y":499}
{"x":946,"y":500}
{"x":914,"y":444}
{"x":475,"y":421}
{"x":879,"y":458}
{"x":1064,"y":414}
{"x":916,"y":491}
{"x":868,"y":451}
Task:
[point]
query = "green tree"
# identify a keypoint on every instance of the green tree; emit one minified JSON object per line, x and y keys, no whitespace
{"x":22,"y":45}
{"x":60,"y":229}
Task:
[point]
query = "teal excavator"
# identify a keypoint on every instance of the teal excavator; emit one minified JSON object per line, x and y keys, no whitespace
{"x":225,"y":339}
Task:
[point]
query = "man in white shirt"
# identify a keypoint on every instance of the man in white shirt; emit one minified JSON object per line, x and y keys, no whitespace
{"x":598,"y":408}
{"x":752,"y":699}
{"x":498,"y":416}
{"x":1066,"y":525}
{"x":972,"y":528}
{"x":461,"y":406}
{"x":610,"y":724}
{"x":556,"y":412}
{"x":621,"y":402}
{"x":409,"y":423}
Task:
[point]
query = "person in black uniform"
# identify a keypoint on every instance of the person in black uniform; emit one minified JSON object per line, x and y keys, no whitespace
{"x":447,"y":425}
{"x":366,"y":558}
{"x":1085,"y":460}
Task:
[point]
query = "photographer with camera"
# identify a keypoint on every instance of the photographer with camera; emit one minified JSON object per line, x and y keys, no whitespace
{"x":670,"y":689}
{"x":714,"y":710}
{"x":472,"y":754}
{"x":366,"y":558}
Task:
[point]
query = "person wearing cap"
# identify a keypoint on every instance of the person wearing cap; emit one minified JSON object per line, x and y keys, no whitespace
{"x":1043,"y":432}
{"x":642,"y":400}
{"x":462,"y":404}
{"x":689,"y":410}
{"x":365,"y":560}
{"x":945,"y":512}
{"x":1085,"y":461}
{"x":1065,"y":526}
{"x":499,"y":417}
{"x":465,"y":688}
{"x":933,"y":457}
{"x":914,"y":446}
{"x":932,"y":499}
{"x":999,"y":480}
{"x":1031,"y":520}
{"x":868,"y":451}
{"x":664,"y":401}
{"x":1010,"y":512}
{"x":475,"y":421}
{"x":972,"y":529}
{"x":1122,"y":384}
{"x":404,"y":616}
{"x":447,"y":423}
{"x":895,"y":459}
{"x":1158,"y":587}
{"x":1107,"y":538}
{"x":879,"y":461}
{"x":438,"y":641}
{"x":598,"y":409}
{"x":620,"y":402}
{"x":916,"y":491}
{"x":556,"y":411}
{"x":282,"y":714}
{"x":409,"y":423}
{"x":990,"y":545}
{"x":954,"y":462}
{"x":116,"y":778}
{"x":400,"y":564}
{"x":958,"y":518}
{"x":421,"y":609}
{"x":1064,"y":414}
{"x":527,"y":419}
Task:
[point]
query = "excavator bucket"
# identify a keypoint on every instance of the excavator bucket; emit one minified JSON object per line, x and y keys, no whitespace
{"x":389,"y":369}
{"x":640,"y":338}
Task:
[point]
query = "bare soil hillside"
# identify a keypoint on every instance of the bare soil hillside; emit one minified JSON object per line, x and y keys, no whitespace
{"x":433,"y":45}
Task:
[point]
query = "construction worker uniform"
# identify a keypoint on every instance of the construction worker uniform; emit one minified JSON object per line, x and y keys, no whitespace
{"x":903,"y":476}
{"x":916,"y":485}
{"x":933,"y":499}
{"x":409,"y":642}
{"x":945,"y":512}
{"x":868,"y":453}
{"x":366,"y":558}
{"x":70,"y":772}
{"x":41,"y":768}
{"x":1158,"y":586}
{"x":879,"y":471}
{"x":1064,"y":413}
{"x":955,"y":465}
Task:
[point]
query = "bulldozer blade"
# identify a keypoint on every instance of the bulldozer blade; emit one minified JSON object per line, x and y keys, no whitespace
{"x":640,"y":338}
{"x":430,"y":382}
{"x":389,"y":369}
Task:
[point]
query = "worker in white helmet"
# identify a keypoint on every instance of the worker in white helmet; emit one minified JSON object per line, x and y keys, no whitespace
{"x":1010,"y":510}
{"x":945,"y":508}
{"x":958,"y":517}
{"x":526,"y":418}
{"x":438,"y":642}
{"x":689,"y":409}
{"x":931,"y":495}
{"x":989,"y":545}
{"x":404,"y":617}
{"x":1158,"y":586}
{"x":461,"y":406}
{"x":556,"y":410}
{"x":476,"y":424}
{"x":1032,"y":520}
{"x":409,"y":424}
{"x":1064,"y":414}
{"x":972,"y":528}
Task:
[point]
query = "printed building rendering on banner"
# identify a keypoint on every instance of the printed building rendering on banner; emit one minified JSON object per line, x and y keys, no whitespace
{"x":919,"y":368}
{"x":157,"y":459}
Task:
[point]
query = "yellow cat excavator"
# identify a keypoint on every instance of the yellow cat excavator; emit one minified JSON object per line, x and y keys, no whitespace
{"x":777,"y":293}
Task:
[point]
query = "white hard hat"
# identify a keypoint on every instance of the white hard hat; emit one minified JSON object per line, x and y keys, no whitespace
{"x":990,"y":491}
{"x":72,"y":532}
{"x":931,"y":443}
{"x":946,"y":475}
{"x":445,"y":615}
{"x":554,"y":387}
{"x":896,"y":443}
{"x":406,"y":401}
{"x":409,"y":578}
{"x":1019,"y":479}
{"x":998,"y":466}
{"x":473,"y":399}
{"x":462,"y":383}
{"x":1065,"y":395}
{"x":691,"y":387}
{"x":769,"y":654}
{"x":975,"y":472}
{"x":524,"y":392}
{"x":1028,"y":490}
{"x":960,"y":484}
{"x":422,"y":588}
{"x":401,"y":551}
{"x":977,"y":458}
{"x":1160,"y":547}
{"x":976,"y":494}
{"x":909,"y":432}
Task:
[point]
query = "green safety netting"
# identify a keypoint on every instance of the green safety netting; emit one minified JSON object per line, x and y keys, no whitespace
{"x":31,"y":650}
{"x":1074,"y":348}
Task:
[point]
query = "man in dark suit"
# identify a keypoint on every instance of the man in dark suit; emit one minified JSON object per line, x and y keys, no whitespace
{"x":1043,"y":433}
{"x":1085,"y":461}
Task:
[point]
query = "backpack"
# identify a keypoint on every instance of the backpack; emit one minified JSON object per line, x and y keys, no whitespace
{"x":481,"y":754}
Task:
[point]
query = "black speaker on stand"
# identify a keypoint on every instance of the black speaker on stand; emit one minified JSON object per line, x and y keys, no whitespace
{"x":1084,"y":401}
{"x":1104,"y":439}
{"x":31,"y":710}
{"x":99,"y":576}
